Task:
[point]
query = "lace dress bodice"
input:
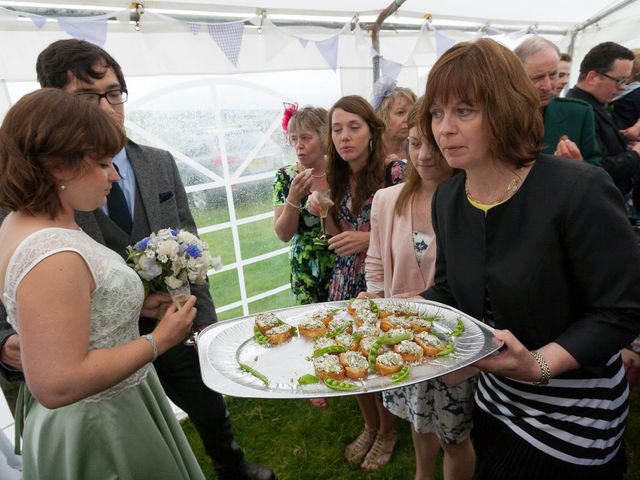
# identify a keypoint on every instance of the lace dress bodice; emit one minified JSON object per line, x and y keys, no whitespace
{"x":115,"y":302}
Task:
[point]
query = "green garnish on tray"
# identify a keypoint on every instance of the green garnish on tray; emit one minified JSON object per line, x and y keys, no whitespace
{"x":449,"y":349}
{"x":459,"y":330}
{"x":308,"y":379}
{"x":254,"y":372}
{"x":338,"y":385}
{"x":259,"y":337}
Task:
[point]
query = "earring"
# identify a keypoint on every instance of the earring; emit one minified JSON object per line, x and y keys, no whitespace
{"x":371,"y":144}
{"x":63,"y":186}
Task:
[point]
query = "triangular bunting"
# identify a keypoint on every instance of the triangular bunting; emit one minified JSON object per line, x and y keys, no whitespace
{"x":329,"y":50}
{"x":303,"y":41}
{"x":423,"y":51}
{"x":389,"y":68}
{"x":228,"y":36}
{"x":194,"y":27}
{"x":443,"y":43}
{"x":275,"y":42}
{"x":89,"y":29}
{"x":38,"y":20}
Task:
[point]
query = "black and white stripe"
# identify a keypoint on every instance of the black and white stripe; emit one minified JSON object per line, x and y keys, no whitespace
{"x":578,"y":420}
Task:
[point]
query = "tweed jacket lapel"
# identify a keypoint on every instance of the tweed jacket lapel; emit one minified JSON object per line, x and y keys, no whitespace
{"x":146,"y":184}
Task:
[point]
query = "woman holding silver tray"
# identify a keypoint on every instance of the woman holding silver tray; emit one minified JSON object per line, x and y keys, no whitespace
{"x":401,"y":261}
{"x":539,"y":247}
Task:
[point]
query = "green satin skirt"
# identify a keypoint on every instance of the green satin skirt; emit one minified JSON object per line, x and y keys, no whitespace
{"x":133,"y":435}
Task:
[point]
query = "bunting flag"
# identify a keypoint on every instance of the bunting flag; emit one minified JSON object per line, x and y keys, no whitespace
{"x":38,"y":20}
{"x":303,"y":41}
{"x":389,"y":68}
{"x":275,"y":42}
{"x":194,"y":27}
{"x":490,"y":31}
{"x":423,"y":51}
{"x":517,"y":37}
{"x":443,"y":43}
{"x":363,"y":42}
{"x":329,"y":50}
{"x":228,"y":36}
{"x":89,"y":29}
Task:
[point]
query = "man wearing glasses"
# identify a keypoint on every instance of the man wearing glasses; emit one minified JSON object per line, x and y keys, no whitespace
{"x":604,"y":72}
{"x":149,"y":196}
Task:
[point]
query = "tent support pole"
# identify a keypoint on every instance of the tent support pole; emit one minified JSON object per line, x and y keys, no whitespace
{"x":375,"y":39}
{"x":595,"y":19}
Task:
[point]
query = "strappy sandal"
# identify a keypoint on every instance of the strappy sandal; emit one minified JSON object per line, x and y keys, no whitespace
{"x":357,"y":449}
{"x":381,"y":451}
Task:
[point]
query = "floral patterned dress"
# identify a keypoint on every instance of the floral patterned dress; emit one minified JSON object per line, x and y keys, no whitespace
{"x":348,"y":272}
{"x":311,"y":261}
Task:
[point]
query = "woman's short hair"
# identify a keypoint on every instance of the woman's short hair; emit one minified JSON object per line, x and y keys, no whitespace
{"x":384,"y":109}
{"x":45,"y":131}
{"x":371,"y":177}
{"x":489,"y":75}
{"x":309,"y":118}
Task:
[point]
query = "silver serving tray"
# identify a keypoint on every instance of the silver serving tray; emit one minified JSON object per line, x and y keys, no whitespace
{"x":223,"y":345}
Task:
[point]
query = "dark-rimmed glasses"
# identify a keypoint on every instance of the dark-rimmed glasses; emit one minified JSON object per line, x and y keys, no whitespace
{"x":113,"y":97}
{"x":618,"y":81}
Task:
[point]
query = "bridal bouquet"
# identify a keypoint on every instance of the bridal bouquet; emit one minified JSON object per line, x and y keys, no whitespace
{"x":171,"y":258}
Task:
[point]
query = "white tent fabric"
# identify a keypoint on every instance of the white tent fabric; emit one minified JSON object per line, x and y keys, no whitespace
{"x":211,"y":91}
{"x":168,"y":45}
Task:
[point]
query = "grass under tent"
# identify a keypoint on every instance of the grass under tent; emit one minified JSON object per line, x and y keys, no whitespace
{"x":300,"y":441}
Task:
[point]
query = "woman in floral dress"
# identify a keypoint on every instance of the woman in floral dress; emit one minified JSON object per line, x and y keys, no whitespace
{"x":355,"y":172}
{"x":311,"y":261}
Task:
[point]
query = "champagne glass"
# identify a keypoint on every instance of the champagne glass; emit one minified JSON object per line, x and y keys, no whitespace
{"x":325,"y":203}
{"x":179,"y":296}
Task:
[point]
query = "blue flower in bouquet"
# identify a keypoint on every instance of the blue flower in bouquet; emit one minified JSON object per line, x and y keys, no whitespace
{"x":168,"y":257}
{"x":142,"y":244}
{"x":193,"y":251}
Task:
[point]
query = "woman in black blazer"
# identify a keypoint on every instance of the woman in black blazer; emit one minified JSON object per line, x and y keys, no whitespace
{"x":539,"y":248}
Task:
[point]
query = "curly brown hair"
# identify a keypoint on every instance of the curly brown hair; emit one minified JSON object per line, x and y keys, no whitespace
{"x":48,"y":130}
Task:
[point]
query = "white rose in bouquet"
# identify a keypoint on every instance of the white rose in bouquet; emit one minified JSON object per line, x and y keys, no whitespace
{"x":166,"y":259}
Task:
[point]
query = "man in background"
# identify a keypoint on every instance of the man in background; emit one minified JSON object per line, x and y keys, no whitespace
{"x":564,"y":71}
{"x":569,"y":129}
{"x":604,"y":72}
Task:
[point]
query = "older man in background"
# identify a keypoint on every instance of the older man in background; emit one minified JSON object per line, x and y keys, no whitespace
{"x":569,"y":127}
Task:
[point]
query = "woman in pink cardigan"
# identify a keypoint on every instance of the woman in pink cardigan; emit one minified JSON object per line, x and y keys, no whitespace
{"x":401,"y":262}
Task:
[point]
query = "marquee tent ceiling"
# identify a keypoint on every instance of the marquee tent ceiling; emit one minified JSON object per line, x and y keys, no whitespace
{"x":565,"y":15}
{"x":175,"y":36}
{"x":552,"y":12}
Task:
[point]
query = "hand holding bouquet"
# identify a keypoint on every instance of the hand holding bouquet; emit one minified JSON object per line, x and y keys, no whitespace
{"x":171,"y":259}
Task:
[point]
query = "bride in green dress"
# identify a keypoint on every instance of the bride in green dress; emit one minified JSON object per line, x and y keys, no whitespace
{"x":93,"y":406}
